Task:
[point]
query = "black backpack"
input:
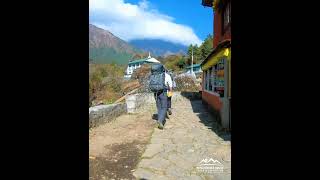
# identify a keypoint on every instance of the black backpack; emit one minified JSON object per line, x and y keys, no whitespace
{"x":157,"y":78}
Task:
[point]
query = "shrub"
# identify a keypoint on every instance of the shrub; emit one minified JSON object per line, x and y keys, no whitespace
{"x":105,"y":82}
{"x":186,"y":83}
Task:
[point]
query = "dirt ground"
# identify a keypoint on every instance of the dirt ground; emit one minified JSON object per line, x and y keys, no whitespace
{"x":131,"y":147}
{"x":117,"y":146}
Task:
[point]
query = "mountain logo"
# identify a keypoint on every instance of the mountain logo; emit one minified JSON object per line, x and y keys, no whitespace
{"x":208,"y":162}
{"x":210,"y":165}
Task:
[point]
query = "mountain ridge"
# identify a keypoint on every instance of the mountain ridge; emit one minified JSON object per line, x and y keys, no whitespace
{"x":159,"y":47}
{"x":106,"y":48}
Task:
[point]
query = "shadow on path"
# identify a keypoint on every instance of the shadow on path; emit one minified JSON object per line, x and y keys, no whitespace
{"x":205,"y":115}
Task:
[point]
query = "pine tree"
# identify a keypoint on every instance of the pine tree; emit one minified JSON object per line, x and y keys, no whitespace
{"x":181,"y":63}
{"x":206,"y":47}
{"x":196,"y":54}
{"x":200,"y":53}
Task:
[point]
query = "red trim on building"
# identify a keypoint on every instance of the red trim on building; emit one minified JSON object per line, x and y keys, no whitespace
{"x":212,"y":100}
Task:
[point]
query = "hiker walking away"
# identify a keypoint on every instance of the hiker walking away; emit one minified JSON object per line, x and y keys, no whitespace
{"x":170,"y":93}
{"x":160,"y":82}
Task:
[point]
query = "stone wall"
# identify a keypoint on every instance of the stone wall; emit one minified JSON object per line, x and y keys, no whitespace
{"x":143,"y":101}
{"x":105,"y":113}
{"x":134,"y":103}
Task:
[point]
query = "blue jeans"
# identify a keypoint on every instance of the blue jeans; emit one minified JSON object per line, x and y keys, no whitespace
{"x":162,"y":105}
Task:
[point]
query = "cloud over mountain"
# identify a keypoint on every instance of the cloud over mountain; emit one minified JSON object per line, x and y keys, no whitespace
{"x":138,"y":21}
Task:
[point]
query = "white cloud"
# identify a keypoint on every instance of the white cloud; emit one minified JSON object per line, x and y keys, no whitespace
{"x":129,"y":21}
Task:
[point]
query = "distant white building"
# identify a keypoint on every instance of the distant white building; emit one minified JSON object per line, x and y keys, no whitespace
{"x":133,"y":65}
{"x":196,"y":69}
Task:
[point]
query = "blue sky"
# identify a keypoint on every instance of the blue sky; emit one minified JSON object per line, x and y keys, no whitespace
{"x":189,"y":12}
{"x":177,"y":21}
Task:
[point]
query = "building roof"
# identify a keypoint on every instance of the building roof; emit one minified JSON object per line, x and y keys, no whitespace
{"x":223,"y":44}
{"x":148,"y":59}
{"x":152,"y":60}
{"x":194,"y":66}
{"x":138,"y":61}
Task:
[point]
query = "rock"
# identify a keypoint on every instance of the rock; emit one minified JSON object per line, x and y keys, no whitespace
{"x":169,"y":148}
{"x":152,"y":149}
{"x":175,"y":172}
{"x":143,"y":174}
{"x":180,"y":162}
{"x":160,"y":141}
{"x":156,"y":163}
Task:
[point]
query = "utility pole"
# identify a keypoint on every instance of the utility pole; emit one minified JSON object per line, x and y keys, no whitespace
{"x":192,"y":60}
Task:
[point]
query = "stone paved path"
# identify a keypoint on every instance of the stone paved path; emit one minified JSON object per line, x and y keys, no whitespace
{"x":189,"y":137}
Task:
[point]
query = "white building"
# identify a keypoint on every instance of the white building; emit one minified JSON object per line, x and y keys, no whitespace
{"x":133,"y":65}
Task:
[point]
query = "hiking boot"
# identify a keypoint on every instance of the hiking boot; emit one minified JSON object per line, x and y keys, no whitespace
{"x":169,"y":111}
{"x":155,"y":116}
{"x":160,"y":125}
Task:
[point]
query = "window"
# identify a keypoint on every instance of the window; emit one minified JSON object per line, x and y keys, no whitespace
{"x":210,"y":79}
{"x":206,"y":80}
{"x":226,"y":16}
{"x":209,"y":74}
{"x":214,"y":78}
{"x":219,"y":78}
{"x":213,"y":75}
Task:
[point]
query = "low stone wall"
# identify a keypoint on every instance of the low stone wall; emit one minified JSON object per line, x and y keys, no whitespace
{"x":137,"y":101}
{"x":105,"y":113}
{"x":134,"y":103}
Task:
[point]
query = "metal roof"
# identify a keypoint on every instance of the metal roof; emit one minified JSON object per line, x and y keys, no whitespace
{"x":195,"y":65}
{"x":148,"y":59}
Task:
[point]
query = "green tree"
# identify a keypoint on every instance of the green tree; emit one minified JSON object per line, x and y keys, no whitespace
{"x":206,"y":47}
{"x":181,"y":63}
{"x":172,"y":62}
{"x":196,"y":54}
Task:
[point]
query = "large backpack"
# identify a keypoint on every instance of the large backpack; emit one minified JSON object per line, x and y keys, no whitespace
{"x":157,"y":78}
